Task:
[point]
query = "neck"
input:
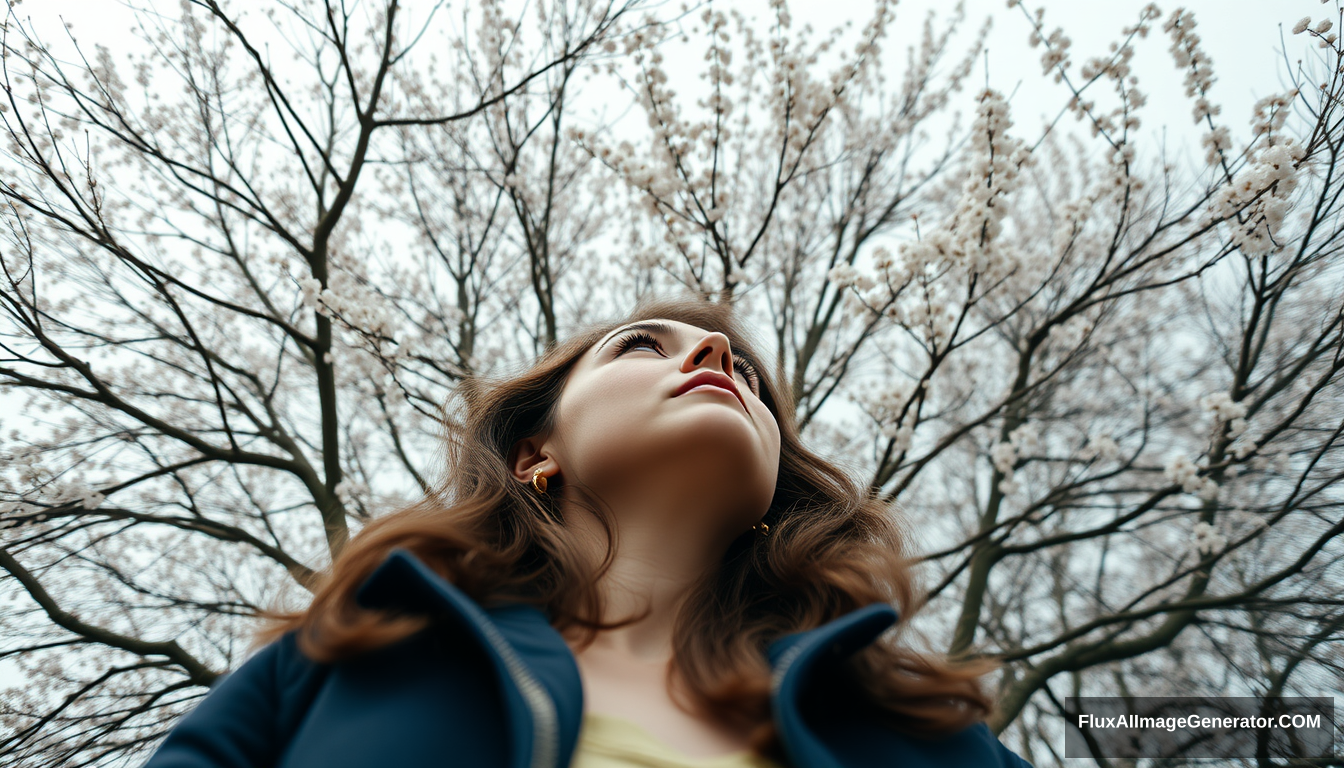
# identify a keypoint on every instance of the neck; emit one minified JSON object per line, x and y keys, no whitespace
{"x":661,"y":553}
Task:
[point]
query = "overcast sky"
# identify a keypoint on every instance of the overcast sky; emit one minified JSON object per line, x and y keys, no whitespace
{"x":1241,"y":36}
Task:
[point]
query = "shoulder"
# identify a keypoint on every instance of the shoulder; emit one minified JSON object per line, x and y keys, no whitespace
{"x":989,"y":744}
{"x":973,"y":747}
{"x":247,"y":714}
{"x":859,"y":740}
{"x":279,"y":672}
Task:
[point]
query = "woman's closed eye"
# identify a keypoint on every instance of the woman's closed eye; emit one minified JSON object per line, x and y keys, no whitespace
{"x":642,"y":339}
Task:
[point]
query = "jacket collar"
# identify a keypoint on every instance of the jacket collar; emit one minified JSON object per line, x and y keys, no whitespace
{"x":543,"y":692}
{"x":797,"y":658}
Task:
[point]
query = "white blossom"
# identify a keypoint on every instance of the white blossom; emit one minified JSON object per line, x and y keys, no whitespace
{"x":1025,"y":438}
{"x":1180,"y":469}
{"x":1216,"y":143}
{"x":1271,"y":112}
{"x":900,"y":435}
{"x":1057,"y":51}
{"x":1206,"y":539}
{"x":842,"y":275}
{"x":308,"y":290}
{"x":996,"y":159}
{"x":1101,"y":447}
{"x":1187,"y":53}
{"x":1003,"y":455}
{"x":1183,"y":472}
{"x":1246,"y":444}
{"x":1070,"y":334}
{"x":1255,"y":203}
{"x":1223,"y":408}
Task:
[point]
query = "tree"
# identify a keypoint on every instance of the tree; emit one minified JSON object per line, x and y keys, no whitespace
{"x":1102,"y":386}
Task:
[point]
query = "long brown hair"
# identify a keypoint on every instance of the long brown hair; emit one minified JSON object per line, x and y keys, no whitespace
{"x":833,"y":547}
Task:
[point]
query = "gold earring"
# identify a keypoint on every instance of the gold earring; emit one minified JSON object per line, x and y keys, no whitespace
{"x":761,"y":528}
{"x":539,"y":481}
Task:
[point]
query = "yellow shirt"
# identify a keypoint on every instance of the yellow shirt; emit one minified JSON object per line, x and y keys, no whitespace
{"x":607,"y":741}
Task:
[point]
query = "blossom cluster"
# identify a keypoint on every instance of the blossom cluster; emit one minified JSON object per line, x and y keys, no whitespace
{"x":931,"y":308}
{"x":846,"y":275}
{"x":346,"y":301}
{"x":1224,"y":409}
{"x":968,"y":244}
{"x":891,"y":407}
{"x":1199,"y":78}
{"x":1071,"y":333}
{"x":1256,"y":201}
{"x":1271,"y":112}
{"x":1206,"y":539}
{"x":996,"y":159}
{"x":28,"y":467}
{"x":1185,"y":473}
{"x":680,"y":172}
{"x":1102,"y":447}
{"x":998,"y":156}
{"x":1322,"y":30}
{"x":1005,"y":455}
{"x":1185,"y":50}
{"x":901,"y":433}
{"x":1115,"y":67}
{"x":880,"y":291}
{"x":28,"y":475}
{"x":496,"y":41}
{"x":1056,"y":52}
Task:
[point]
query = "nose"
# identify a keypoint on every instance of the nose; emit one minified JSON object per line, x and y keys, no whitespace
{"x":712,"y":349}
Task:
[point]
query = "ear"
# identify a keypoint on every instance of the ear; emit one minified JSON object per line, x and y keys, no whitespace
{"x":527,"y":455}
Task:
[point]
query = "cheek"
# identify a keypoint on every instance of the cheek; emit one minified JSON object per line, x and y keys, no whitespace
{"x":774,"y":438}
{"x":771,"y":437}
{"x":766,"y":418}
{"x":596,"y":406}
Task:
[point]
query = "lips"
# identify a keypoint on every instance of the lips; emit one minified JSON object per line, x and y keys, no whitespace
{"x":715,"y":380}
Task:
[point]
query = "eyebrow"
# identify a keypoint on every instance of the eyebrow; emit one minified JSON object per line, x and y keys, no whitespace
{"x":647,"y":325}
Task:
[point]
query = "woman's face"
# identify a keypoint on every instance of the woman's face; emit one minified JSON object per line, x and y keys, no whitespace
{"x":628,"y":424}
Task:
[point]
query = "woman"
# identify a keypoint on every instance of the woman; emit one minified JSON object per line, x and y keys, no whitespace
{"x":632,"y":560}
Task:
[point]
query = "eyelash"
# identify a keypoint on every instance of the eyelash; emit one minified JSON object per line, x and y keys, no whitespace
{"x":640,"y":338}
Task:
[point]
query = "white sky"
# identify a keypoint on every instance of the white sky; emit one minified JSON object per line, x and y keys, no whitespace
{"x":1241,"y":36}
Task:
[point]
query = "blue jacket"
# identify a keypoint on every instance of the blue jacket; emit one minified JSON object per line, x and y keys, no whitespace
{"x":504,"y":691}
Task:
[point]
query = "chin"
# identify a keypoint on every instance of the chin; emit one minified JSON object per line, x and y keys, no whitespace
{"x":722,"y":433}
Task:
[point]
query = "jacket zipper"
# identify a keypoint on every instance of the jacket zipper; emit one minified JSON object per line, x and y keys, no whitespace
{"x":545,"y":724}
